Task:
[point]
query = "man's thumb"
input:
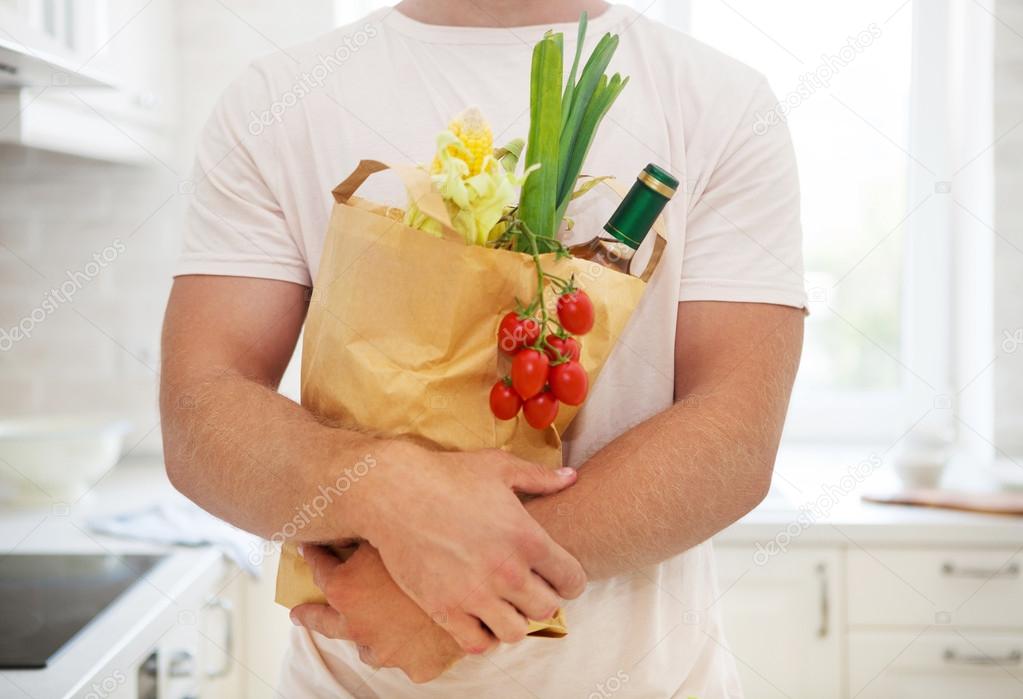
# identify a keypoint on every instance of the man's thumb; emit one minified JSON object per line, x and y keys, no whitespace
{"x":534,"y":479}
{"x":321,"y":618}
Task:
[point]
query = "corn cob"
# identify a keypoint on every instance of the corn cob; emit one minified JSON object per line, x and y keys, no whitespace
{"x":471,"y":128}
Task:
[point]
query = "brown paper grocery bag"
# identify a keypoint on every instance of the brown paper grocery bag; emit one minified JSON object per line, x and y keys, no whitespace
{"x":401,"y":333}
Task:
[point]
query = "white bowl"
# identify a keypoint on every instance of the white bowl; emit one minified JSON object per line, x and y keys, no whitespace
{"x":1007,"y":472}
{"x":57,"y":457}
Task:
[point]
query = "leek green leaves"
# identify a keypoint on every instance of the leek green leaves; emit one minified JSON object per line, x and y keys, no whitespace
{"x":563,"y":124}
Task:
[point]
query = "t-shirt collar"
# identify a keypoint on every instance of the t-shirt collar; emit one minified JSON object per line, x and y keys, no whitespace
{"x":392,"y":19}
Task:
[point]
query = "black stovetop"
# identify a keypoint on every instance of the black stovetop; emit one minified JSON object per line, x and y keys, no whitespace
{"x":46,"y":599}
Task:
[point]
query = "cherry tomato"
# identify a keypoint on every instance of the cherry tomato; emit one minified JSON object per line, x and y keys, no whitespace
{"x":569,"y":383}
{"x":516,"y":332}
{"x":569,"y":348}
{"x":540,"y":410}
{"x":529,"y":372}
{"x":504,"y":401}
{"x":575,"y":312}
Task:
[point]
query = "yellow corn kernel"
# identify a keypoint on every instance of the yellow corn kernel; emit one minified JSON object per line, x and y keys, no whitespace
{"x":472,"y":129}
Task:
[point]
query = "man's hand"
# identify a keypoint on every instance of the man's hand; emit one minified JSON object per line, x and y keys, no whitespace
{"x":458,"y":541}
{"x":449,"y":527}
{"x":367,"y":608}
{"x":451,"y":530}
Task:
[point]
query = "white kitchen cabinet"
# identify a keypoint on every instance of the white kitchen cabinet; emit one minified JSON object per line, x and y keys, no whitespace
{"x":782,"y":621}
{"x":842,"y":621}
{"x":244,"y":636}
{"x":221,"y":669}
{"x":920,"y":587}
{"x":139,"y":55}
{"x":934,"y":664}
{"x":102,"y":85}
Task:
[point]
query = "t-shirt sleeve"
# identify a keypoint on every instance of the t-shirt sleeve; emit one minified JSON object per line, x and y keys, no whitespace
{"x":743,"y":233}
{"x":235,"y":224}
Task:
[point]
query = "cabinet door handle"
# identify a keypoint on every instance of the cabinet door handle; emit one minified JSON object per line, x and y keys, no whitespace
{"x":951,"y":570}
{"x":182,"y":664}
{"x":953,"y":658}
{"x":227,"y":612}
{"x":824,"y":628}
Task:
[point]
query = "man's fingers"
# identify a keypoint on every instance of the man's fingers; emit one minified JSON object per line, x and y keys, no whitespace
{"x":368,"y":656}
{"x":322,"y":619}
{"x":505,"y":622}
{"x":467,"y":631}
{"x":561,"y":571}
{"x":536,"y":600}
{"x":322,"y":561}
{"x":526,"y":477}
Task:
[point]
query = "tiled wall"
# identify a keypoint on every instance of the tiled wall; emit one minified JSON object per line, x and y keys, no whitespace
{"x":99,"y":350}
{"x":1009,"y":226}
{"x":103,"y":237}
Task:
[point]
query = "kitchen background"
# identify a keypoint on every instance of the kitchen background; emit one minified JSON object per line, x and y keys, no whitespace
{"x":906,"y":117}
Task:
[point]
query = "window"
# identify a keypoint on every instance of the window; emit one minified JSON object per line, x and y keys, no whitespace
{"x":888,"y":102}
{"x":845,"y":89}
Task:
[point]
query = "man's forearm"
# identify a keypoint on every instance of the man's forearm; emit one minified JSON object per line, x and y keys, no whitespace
{"x":690,"y":471}
{"x":443,"y":522}
{"x":654,"y":492}
{"x":256,"y":459}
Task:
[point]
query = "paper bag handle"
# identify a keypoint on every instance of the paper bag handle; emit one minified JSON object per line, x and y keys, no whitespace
{"x":416,"y":182}
{"x":432,"y":204}
{"x":660,"y":241}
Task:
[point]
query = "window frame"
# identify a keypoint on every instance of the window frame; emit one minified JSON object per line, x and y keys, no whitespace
{"x":946,"y":324}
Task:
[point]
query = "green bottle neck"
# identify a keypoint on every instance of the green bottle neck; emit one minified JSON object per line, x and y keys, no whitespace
{"x":636,"y":215}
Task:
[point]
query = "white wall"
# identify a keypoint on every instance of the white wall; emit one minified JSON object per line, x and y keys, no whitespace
{"x":101,"y":351}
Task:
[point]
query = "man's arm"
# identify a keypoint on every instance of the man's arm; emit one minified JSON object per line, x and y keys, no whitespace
{"x":231,"y":442}
{"x":685,"y":474}
{"x":448,"y":526}
{"x":655,"y":491}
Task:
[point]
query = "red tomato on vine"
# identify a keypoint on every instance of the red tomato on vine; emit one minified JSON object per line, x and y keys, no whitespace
{"x":540,"y":410}
{"x":575,"y":312}
{"x":516,"y":332}
{"x":568,"y":347}
{"x":569,"y":383}
{"x":505,"y":403}
{"x":529,"y":372}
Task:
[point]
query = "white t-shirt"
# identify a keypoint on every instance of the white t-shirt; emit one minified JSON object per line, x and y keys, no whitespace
{"x":295,"y":124}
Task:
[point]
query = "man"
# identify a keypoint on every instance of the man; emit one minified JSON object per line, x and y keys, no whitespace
{"x":677,"y":439}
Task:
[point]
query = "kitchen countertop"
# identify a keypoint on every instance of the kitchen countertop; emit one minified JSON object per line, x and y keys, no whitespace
{"x":815,"y":502}
{"x":121,"y":636}
{"x":815,"y":499}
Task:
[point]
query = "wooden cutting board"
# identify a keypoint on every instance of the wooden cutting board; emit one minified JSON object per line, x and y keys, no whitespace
{"x":990,"y":503}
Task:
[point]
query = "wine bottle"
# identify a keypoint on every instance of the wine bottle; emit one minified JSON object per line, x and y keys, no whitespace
{"x":631,"y":221}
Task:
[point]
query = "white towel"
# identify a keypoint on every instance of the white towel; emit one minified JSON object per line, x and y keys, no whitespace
{"x":185,"y":524}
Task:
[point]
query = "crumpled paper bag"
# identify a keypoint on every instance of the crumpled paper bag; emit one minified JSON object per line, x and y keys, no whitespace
{"x":401,"y":336}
